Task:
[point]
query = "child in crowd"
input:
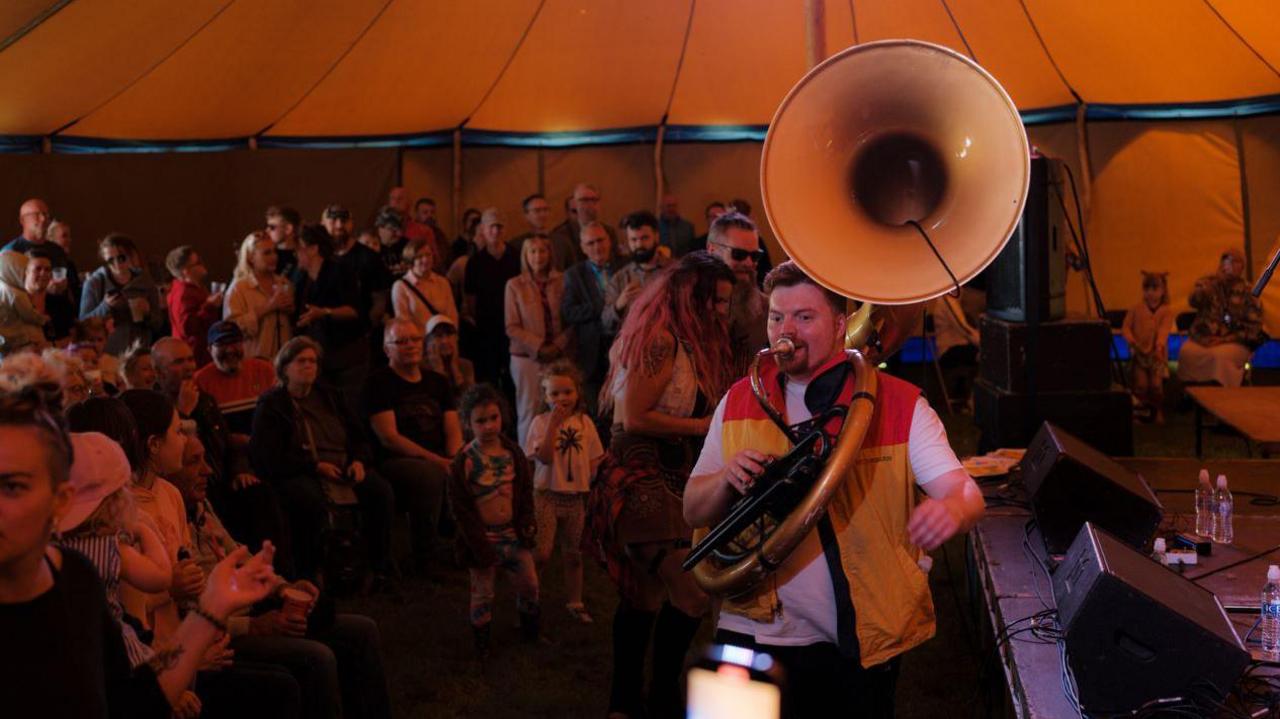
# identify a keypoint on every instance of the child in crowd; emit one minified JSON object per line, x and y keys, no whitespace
{"x":92,"y":332}
{"x":566,"y":450}
{"x":1146,"y":329}
{"x":103,"y":524}
{"x":492,"y":496}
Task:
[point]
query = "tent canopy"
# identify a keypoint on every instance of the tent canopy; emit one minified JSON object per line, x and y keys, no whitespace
{"x":305,"y":69}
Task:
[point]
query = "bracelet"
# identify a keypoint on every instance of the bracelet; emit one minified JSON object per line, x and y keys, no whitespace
{"x":208,"y":617}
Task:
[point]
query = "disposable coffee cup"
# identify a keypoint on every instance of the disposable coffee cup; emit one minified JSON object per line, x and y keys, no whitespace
{"x":297,"y":603}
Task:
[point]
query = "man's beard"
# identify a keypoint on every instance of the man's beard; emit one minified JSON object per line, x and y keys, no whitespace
{"x":642,"y":257}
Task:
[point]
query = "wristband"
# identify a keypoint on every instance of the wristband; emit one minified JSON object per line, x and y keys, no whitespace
{"x":208,"y":617}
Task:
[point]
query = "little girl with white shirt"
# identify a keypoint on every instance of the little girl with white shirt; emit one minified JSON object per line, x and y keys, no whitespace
{"x":566,"y":450}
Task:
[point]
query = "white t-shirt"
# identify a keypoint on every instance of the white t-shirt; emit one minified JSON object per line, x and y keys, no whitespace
{"x":808,"y":613}
{"x":577,"y":446}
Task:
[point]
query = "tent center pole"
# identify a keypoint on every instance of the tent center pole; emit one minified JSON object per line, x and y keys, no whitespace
{"x":457,"y":180}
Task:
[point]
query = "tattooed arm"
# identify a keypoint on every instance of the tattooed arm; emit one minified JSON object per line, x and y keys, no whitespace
{"x":643,"y":390}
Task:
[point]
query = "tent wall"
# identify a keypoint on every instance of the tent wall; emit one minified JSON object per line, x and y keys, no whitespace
{"x":1165,"y":196}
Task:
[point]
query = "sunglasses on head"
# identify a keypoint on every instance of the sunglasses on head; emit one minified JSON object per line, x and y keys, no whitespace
{"x":740,"y":255}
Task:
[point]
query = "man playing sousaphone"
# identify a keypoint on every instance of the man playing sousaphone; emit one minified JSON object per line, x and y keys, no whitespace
{"x":853,"y":596}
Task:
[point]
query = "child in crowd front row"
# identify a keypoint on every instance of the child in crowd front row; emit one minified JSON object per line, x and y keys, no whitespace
{"x":491,"y":492}
{"x":566,"y":450}
{"x":102,"y":523}
{"x":1146,"y":329}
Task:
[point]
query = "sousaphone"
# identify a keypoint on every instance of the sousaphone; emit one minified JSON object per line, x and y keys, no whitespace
{"x":892,"y":173}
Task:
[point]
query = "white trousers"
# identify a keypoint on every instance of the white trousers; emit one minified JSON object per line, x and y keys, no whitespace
{"x":525,"y":372}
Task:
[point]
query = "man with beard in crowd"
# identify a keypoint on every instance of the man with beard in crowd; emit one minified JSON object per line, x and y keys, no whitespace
{"x":354,"y":260}
{"x":625,"y":285}
{"x":283,"y":224}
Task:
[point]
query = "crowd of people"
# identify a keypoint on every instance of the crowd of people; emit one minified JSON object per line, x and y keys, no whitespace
{"x":189,"y":470}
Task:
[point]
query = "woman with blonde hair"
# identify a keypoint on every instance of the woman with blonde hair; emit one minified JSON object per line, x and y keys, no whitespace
{"x":260,"y":300}
{"x":422,"y":293}
{"x":538,"y":335}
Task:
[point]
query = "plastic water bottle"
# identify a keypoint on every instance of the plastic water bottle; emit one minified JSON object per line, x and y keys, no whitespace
{"x":1270,"y":621}
{"x":1223,"y":533}
{"x":1204,"y":505}
{"x":1158,"y":550}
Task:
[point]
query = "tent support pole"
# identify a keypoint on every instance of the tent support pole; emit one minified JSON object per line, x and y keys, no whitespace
{"x":815,"y":32}
{"x":1086,"y":182}
{"x":457,"y":180}
{"x":1244,"y":200}
{"x":658,"y":180}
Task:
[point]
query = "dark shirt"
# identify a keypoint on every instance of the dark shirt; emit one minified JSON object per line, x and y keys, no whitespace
{"x":487,"y":279}
{"x":279,"y":446}
{"x":323,"y":429}
{"x":393,"y":257}
{"x":369,"y":273}
{"x":330,"y":288}
{"x":419,"y":407}
{"x":286,"y":261}
{"x":65,"y":655}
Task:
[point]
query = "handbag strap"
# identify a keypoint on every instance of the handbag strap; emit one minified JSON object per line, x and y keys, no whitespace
{"x":421,"y":296}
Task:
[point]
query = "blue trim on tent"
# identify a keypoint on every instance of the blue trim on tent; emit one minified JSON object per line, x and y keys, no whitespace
{"x":420,"y":139}
{"x":95,"y":146}
{"x":19,"y":143}
{"x":1247,"y":107}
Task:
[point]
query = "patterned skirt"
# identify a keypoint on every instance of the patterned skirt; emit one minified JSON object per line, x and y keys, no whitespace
{"x":637,"y":498}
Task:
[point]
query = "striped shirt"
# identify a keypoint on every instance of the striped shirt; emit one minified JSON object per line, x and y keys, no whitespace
{"x":104,"y":552}
{"x":237,"y":392}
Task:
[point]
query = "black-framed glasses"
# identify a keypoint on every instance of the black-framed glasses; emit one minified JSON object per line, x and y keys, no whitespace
{"x":739,"y":255}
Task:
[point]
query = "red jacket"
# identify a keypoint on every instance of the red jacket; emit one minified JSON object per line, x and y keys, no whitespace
{"x":191,"y":317}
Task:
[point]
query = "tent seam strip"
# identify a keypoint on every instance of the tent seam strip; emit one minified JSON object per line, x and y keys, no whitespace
{"x":853,"y":19}
{"x":684,"y":47}
{"x":129,"y":85}
{"x":325,"y":75}
{"x":33,"y":23}
{"x":1043,"y":46}
{"x":956,"y":25}
{"x":528,"y":28}
{"x":1240,"y":37}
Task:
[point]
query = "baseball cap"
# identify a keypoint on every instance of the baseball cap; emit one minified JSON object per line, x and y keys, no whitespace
{"x":98,"y":470}
{"x":225,"y":332}
{"x":389,"y":217}
{"x":492,"y":216}
{"x":337,"y":212}
{"x":439,"y":320}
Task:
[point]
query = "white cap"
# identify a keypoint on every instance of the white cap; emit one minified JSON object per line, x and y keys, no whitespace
{"x":1160,"y":545}
{"x":1204,"y":475}
{"x":1273,"y":573}
{"x":1222,"y":481}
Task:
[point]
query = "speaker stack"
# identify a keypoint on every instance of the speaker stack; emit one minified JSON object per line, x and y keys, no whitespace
{"x":1038,"y":365}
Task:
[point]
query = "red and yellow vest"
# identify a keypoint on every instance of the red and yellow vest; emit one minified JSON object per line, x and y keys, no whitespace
{"x":864,"y":533}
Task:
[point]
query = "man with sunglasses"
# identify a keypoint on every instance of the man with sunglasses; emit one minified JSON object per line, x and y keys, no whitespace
{"x":282,"y":227}
{"x":733,"y":238}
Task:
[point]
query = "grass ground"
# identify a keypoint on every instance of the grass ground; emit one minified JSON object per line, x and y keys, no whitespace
{"x":432,"y":671}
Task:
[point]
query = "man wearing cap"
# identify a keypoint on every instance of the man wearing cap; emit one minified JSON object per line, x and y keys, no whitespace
{"x":355,"y":260}
{"x":414,"y":419}
{"x":234,"y":381}
{"x":485,"y":286}
{"x":392,"y":239}
{"x":565,"y":250}
{"x":585,"y":284}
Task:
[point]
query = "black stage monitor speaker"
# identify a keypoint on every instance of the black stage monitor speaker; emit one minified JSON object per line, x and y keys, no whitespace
{"x":1070,"y":355}
{"x":1136,"y":631}
{"x":1012,"y":419}
{"x":1028,"y":278}
{"x":1071,"y":483}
